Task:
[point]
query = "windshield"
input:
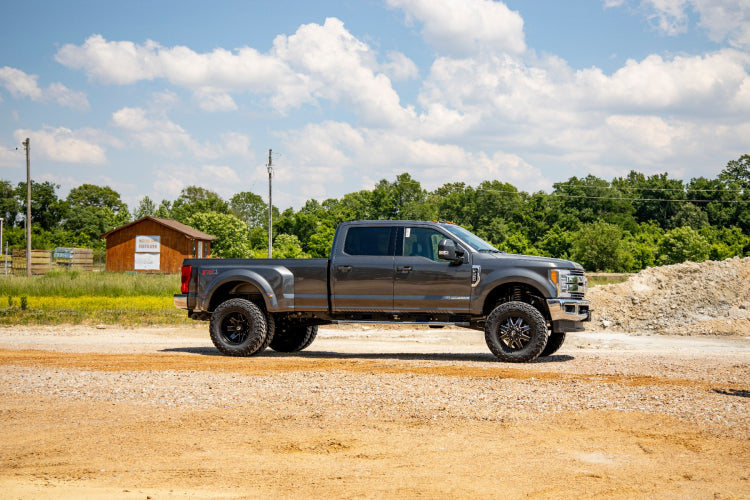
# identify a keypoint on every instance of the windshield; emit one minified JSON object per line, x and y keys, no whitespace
{"x":470,"y":238}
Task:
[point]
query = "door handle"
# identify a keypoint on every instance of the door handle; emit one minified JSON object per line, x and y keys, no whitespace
{"x":344,"y":269}
{"x":403,"y":269}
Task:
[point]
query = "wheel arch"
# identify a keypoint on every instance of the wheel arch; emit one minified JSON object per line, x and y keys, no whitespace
{"x":516,"y":291}
{"x":273,"y":290}
{"x":237,"y":289}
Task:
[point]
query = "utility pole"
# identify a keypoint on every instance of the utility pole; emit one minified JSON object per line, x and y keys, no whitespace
{"x":27,"y":145}
{"x":270,"y":207}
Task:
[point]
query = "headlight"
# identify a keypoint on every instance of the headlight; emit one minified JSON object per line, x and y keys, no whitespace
{"x":568,"y":282}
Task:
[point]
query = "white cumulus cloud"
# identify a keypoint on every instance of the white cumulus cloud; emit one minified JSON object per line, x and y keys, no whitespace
{"x":722,"y":19}
{"x":20,"y":84}
{"x":317,"y":62}
{"x":63,"y":145}
{"x":466,"y":27}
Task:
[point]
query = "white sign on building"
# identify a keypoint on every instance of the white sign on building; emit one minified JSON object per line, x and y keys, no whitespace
{"x":148,"y":244}
{"x":147,"y":261}
{"x":147,"y":253}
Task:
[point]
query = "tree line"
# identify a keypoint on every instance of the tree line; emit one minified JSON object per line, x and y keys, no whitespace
{"x":622,"y":225}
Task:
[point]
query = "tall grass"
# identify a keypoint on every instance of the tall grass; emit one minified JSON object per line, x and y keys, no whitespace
{"x":77,"y":284}
{"x":607,"y":279}
{"x":121,"y":311}
{"x":90,"y":298}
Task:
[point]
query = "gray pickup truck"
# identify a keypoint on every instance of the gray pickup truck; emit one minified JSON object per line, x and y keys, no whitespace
{"x":413,"y":272}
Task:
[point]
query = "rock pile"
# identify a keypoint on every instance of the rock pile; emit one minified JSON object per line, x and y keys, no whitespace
{"x":710,"y":298}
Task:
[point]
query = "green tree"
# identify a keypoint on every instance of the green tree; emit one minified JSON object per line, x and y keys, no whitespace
{"x":557,"y":242}
{"x":455,"y":202}
{"x":250,"y":208}
{"x":688,"y":214}
{"x":93,"y":211}
{"x":737,"y":173}
{"x":736,"y":177}
{"x":715,"y":199}
{"x":517,"y":242}
{"x":402,"y":199}
{"x":164,"y":210}
{"x":320,"y":242}
{"x":91,"y":195}
{"x":287,"y":246}
{"x":356,"y":206}
{"x":683,"y":244}
{"x":146,"y":207}
{"x":600,"y":246}
{"x":643,"y":245}
{"x":301,"y":224}
{"x":591,"y":199}
{"x":656,"y":197}
{"x":46,"y":209}
{"x":10,"y":209}
{"x":86,"y":225}
{"x":194,"y":200}
{"x":725,"y":242}
{"x":230,"y":232}
{"x":493,"y":200}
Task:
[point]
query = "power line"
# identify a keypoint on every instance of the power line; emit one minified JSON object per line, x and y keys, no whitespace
{"x":685,"y":189}
{"x":645,"y":199}
{"x":613,"y":198}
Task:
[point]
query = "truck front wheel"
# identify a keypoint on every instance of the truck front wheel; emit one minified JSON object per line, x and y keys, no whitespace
{"x":239,"y":328}
{"x":554,"y":342}
{"x":516,"y":332}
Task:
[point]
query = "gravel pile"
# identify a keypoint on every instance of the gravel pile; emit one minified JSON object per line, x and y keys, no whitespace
{"x":710,"y":298}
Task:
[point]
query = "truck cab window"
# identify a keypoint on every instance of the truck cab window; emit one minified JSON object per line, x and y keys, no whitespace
{"x":368,"y":241}
{"x":422,"y":242}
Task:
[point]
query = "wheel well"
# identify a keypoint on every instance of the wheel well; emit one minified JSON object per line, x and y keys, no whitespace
{"x":237,"y":290}
{"x":520,"y":292}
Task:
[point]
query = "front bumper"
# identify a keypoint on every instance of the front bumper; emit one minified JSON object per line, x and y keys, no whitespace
{"x":569,"y":310}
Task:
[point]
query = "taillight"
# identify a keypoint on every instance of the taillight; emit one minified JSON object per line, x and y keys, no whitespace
{"x":187,"y":271}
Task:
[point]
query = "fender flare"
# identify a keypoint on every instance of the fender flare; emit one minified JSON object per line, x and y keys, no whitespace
{"x":275,"y":284}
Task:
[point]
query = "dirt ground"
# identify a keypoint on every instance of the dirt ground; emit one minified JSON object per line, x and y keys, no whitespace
{"x":371,"y":413}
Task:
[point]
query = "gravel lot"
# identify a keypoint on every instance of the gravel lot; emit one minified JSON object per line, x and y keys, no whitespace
{"x":371,"y":413}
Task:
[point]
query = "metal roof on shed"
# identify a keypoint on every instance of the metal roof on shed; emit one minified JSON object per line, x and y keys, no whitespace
{"x":172,"y":224}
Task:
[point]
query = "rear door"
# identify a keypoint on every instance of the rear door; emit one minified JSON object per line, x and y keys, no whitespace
{"x":362,"y":274}
{"x":423,"y":282}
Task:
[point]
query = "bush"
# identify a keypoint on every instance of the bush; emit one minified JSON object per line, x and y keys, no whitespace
{"x":683,"y":244}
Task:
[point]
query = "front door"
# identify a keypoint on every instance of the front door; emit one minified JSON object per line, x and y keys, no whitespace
{"x":423,"y":282}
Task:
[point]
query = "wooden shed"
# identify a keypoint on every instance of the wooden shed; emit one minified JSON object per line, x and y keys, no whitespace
{"x":154,"y":245}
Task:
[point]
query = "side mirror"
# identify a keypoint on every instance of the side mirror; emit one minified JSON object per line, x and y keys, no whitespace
{"x":447,"y":251}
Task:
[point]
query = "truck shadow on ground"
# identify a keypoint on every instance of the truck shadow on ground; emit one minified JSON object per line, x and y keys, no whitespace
{"x":403,"y":356}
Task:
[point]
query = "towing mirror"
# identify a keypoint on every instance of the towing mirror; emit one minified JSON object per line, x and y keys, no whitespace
{"x":447,"y":251}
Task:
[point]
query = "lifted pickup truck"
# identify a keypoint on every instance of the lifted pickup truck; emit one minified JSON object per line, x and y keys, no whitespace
{"x":389,"y":272}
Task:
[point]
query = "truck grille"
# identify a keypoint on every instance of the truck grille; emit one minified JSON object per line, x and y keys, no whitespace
{"x":582,"y":292}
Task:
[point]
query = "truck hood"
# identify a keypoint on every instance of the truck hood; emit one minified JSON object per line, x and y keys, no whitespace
{"x":532,"y":260}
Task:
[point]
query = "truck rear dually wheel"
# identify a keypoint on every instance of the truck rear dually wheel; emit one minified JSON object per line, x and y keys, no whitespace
{"x":239,"y":328}
{"x":516,"y":332}
{"x":293,"y":338}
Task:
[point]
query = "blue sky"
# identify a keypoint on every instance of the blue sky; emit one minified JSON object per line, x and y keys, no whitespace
{"x":150,"y":97}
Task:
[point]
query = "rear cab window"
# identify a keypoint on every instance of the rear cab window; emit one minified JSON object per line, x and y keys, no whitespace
{"x":363,"y":240}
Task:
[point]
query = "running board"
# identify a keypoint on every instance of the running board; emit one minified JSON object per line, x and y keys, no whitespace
{"x":464,"y":324}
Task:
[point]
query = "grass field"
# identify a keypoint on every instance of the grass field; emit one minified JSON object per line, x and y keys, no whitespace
{"x":106,"y":298}
{"x":90,"y":298}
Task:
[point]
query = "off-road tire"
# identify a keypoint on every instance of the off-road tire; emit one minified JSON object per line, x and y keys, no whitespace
{"x":293,"y":338}
{"x":516,"y":332}
{"x":554,"y":342}
{"x":239,"y":328}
